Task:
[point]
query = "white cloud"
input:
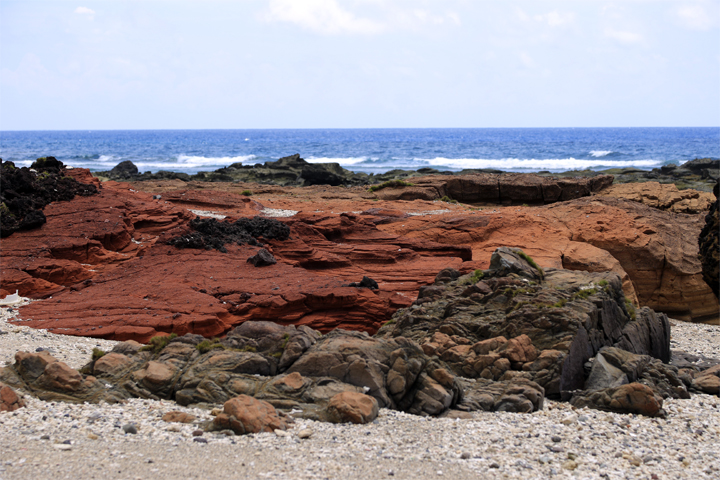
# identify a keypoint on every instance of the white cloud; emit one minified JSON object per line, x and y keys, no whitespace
{"x":624,"y":37}
{"x":321,"y":16}
{"x":556,"y":19}
{"x":84,"y":11}
{"x":418,"y":18}
{"x":695,"y":17}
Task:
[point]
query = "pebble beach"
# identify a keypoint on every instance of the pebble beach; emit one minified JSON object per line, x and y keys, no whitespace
{"x":54,"y":440}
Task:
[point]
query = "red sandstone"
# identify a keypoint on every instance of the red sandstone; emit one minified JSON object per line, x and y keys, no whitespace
{"x":103,"y":270}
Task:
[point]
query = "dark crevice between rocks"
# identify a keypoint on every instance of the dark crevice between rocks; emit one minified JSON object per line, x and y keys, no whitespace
{"x":211,"y":234}
{"x":26,"y":191}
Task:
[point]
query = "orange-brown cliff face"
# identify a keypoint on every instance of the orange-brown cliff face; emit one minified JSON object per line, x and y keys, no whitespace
{"x":104,"y":261}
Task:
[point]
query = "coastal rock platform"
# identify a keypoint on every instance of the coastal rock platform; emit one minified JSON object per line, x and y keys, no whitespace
{"x":105,"y":261}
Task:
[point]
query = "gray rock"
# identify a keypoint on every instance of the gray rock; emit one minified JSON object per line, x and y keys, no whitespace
{"x":262,"y":258}
{"x":129,"y":428}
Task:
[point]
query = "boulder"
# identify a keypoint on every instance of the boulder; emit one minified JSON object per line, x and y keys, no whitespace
{"x":708,"y":381}
{"x":9,"y":400}
{"x":48,"y":379}
{"x":613,"y":367}
{"x":125,"y":170}
{"x":352,"y":407}
{"x":630,"y":398}
{"x":262,"y":258}
{"x":244,"y":414}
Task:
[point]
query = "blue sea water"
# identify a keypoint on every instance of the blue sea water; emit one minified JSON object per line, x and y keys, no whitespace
{"x":370,"y":150}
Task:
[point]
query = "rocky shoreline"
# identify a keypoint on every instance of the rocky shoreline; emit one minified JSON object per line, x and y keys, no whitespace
{"x":57,"y":440}
{"x":699,"y":174}
{"x":245,"y":295}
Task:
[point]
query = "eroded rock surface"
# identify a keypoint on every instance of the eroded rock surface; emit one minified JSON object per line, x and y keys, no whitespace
{"x":508,"y":188}
{"x":110,"y":273}
{"x":515,"y":320}
{"x":284,"y":366}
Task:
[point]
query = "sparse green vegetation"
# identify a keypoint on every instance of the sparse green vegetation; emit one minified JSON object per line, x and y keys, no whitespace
{"x":276,"y":354}
{"x":286,"y":339}
{"x":207,"y":345}
{"x":477,"y":276}
{"x":158,"y":343}
{"x":247,"y":193}
{"x":97,"y":354}
{"x":392,"y":321}
{"x":631,"y":310}
{"x":390,"y":183}
{"x":448,"y":199}
{"x":560,"y":303}
{"x":584,"y":293}
{"x":532,"y":263}
{"x":603,"y":283}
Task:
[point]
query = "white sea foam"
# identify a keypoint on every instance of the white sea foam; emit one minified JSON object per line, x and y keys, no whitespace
{"x":600,"y":153}
{"x":343,"y":161}
{"x":559,"y":164}
{"x":107,"y":159}
{"x":187,"y":161}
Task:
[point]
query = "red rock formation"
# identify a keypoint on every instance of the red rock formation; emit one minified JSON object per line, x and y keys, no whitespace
{"x":110,"y":274}
{"x":103,"y":260}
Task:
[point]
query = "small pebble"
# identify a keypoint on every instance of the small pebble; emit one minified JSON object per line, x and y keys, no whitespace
{"x":129,"y":428}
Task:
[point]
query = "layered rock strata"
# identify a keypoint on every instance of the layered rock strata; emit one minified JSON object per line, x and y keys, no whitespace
{"x":106,"y":262}
{"x":517,"y":320}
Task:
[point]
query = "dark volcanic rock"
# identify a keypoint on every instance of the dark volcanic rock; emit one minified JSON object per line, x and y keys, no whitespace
{"x":26,"y":191}
{"x":210,"y":233}
{"x":124,"y":171}
{"x":262,"y":258}
{"x":709,"y":244}
{"x":511,"y":324}
{"x":366,"y":282}
{"x":699,"y":174}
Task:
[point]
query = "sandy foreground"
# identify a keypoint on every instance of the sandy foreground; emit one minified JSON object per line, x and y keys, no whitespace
{"x":53,"y":440}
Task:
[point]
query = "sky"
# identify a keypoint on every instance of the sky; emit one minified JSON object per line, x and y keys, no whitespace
{"x":211,"y":64}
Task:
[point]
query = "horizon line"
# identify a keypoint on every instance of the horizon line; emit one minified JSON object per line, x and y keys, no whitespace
{"x":338,"y":128}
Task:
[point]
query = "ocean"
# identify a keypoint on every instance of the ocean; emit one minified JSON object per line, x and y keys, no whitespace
{"x":370,"y":150}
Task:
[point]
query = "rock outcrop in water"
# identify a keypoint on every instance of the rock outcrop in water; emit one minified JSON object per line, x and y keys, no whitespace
{"x":699,"y":174}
